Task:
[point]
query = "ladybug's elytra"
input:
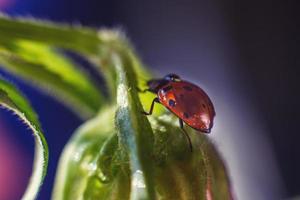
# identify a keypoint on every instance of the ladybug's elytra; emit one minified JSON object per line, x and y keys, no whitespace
{"x":186,"y":100}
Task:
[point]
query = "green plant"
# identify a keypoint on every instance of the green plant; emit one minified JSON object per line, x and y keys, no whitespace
{"x":118,"y":153}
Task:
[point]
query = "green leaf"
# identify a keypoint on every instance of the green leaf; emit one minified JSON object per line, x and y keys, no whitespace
{"x":117,"y":154}
{"x":118,"y":169}
{"x":83,"y":40}
{"x":11,"y":99}
{"x":137,"y":159}
{"x":218,"y":184}
{"x":94,"y":45}
{"x":53,"y":72}
{"x":95,"y":164}
{"x":21,"y":40}
{"x":134,"y":130}
{"x":91,"y":166}
{"x":180,"y":174}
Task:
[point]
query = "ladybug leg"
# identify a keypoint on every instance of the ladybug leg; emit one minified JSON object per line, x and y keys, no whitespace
{"x":142,"y":91}
{"x":156,"y":100}
{"x":186,"y":134}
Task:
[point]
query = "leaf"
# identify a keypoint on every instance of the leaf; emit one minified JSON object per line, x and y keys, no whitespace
{"x":134,"y":130}
{"x":11,"y":99}
{"x":218,"y":184}
{"x":180,"y":174}
{"x":83,"y":40}
{"x":125,"y":157}
{"x":117,"y":42}
{"x":53,"y":72}
{"x":137,"y":159}
{"x":95,"y":45}
{"x":117,"y":167}
{"x":196,"y":174}
{"x":90,"y":166}
{"x":95,"y":164}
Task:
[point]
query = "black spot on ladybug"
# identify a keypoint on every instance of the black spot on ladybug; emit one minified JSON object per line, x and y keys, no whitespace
{"x":166,"y":89}
{"x":172,"y":103}
{"x":186,"y":115}
{"x":181,"y":96}
{"x":203,"y":105}
{"x":188,"y":88}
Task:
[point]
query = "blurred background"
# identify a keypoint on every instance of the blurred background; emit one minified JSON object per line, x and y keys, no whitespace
{"x":243,"y":53}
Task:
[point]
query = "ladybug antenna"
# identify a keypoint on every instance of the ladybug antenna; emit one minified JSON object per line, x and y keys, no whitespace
{"x":172,"y":77}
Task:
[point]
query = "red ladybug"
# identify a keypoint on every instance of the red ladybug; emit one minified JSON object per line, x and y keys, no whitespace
{"x":186,"y":100}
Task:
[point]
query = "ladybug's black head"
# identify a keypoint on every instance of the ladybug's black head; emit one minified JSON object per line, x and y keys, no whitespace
{"x":172,"y":77}
{"x":156,"y":84}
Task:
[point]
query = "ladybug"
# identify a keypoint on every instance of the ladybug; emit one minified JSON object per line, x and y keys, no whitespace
{"x":186,"y":100}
